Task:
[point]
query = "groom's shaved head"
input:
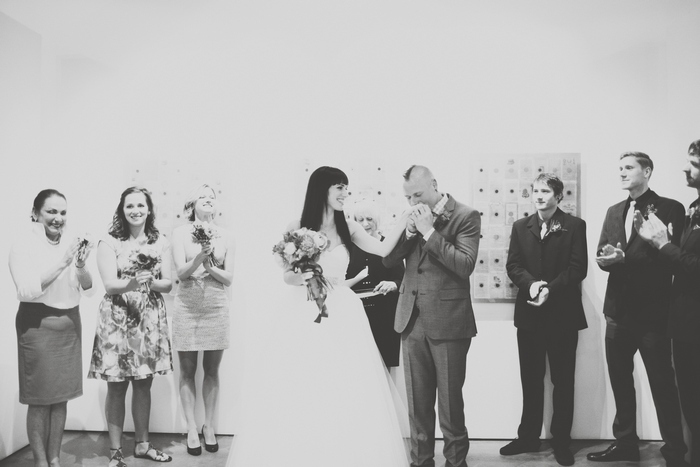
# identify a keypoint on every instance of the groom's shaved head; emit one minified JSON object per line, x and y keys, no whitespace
{"x":418,"y":171}
{"x":420,"y":187}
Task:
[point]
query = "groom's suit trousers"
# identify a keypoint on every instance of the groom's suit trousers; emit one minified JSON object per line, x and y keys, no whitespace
{"x":430,"y":365}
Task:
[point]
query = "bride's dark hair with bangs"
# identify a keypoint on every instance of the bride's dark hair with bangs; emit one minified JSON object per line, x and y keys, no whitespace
{"x":317,"y":199}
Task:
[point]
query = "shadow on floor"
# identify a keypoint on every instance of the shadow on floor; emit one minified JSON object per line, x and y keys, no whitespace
{"x":82,"y":448}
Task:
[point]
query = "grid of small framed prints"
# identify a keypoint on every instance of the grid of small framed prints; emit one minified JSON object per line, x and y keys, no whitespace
{"x":502,"y":194}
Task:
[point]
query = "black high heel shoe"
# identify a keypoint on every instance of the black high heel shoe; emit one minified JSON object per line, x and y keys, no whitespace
{"x":193,"y":451}
{"x":209,"y":447}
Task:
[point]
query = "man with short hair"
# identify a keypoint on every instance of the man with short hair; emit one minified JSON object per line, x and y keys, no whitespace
{"x":684,"y":318}
{"x":636,"y":308}
{"x":434,"y":314}
{"x":547,"y":260}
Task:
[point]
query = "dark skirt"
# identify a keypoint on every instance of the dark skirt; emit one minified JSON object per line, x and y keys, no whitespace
{"x":49,"y":351}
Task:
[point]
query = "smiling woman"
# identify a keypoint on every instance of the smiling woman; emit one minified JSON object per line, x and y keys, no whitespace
{"x":131,"y":340}
{"x":203,"y":255}
{"x":49,"y":274}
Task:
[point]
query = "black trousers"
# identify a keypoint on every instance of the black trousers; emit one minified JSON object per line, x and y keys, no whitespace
{"x":534,"y":347}
{"x":621,"y":343}
{"x":686,"y":356}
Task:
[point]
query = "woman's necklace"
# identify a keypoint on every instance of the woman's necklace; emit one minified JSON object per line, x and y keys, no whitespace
{"x":54,"y":242}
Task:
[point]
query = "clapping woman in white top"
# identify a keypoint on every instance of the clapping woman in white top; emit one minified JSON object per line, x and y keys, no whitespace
{"x":49,"y":272}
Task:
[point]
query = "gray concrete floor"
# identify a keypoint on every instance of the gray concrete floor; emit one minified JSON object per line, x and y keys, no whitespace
{"x":92,"y":448}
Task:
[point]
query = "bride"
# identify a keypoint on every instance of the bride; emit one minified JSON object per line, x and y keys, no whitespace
{"x":328,"y":400}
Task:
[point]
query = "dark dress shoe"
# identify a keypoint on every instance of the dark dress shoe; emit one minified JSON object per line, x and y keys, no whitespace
{"x":615,"y":453}
{"x":193,"y":451}
{"x":520,"y":446}
{"x":676,"y":463}
{"x":563,"y":455}
{"x":209,"y":447}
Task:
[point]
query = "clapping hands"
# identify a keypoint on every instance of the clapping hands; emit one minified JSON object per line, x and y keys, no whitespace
{"x":609,"y":255}
{"x":653,"y":230}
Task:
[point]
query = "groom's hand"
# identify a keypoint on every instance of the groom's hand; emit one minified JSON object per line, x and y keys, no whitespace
{"x":423,"y":218}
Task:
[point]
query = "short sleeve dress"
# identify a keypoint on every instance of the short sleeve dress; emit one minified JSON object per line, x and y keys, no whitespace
{"x":132,"y":340}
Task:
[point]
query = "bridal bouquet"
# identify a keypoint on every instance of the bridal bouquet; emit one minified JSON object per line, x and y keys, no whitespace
{"x":202,"y":234}
{"x":300,"y":250}
{"x":142,"y":259}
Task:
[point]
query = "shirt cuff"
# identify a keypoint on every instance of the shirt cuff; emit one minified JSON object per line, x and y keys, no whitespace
{"x":427,"y":235}
{"x":410,"y":234}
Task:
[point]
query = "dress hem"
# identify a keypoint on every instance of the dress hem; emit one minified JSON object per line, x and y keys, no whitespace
{"x":121,"y":379}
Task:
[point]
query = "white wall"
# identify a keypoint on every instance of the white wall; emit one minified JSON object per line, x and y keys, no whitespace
{"x":253,"y":89}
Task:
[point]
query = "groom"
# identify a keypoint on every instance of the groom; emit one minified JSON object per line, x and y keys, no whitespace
{"x":434,"y":314}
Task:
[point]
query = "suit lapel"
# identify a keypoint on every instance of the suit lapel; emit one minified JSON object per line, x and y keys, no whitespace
{"x":617,"y":226}
{"x":651,"y":199}
{"x":533,"y":227}
{"x":689,"y":222}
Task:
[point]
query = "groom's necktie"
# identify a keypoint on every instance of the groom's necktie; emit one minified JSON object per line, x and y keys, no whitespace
{"x":628,"y":221}
{"x":543,"y":231}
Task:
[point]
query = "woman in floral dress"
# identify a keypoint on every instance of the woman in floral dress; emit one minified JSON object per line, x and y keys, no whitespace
{"x":131,"y":340}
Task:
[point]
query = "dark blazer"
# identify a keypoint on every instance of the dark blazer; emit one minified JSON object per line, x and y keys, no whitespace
{"x":639,"y":287}
{"x":561,"y":259}
{"x":437,"y":275}
{"x":684,"y":261}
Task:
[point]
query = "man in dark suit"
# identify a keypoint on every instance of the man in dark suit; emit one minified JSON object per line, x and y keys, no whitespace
{"x":684,"y":317}
{"x":547,"y":260}
{"x":636,"y":308}
{"x":434,"y":314}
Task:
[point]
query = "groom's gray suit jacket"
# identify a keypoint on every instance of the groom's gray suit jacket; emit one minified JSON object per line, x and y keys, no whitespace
{"x":436,"y":280}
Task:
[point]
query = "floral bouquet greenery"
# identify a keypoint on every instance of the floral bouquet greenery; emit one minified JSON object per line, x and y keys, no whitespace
{"x":300,"y":251}
{"x":85,"y":244}
{"x":142,"y":259}
{"x":202,"y":234}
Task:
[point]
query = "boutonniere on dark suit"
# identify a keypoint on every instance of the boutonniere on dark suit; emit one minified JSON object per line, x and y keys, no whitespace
{"x":441,"y":220}
{"x":650,"y":209}
{"x":554,"y":227}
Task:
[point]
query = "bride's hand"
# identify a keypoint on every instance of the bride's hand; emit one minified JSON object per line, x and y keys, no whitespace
{"x":297,"y":278}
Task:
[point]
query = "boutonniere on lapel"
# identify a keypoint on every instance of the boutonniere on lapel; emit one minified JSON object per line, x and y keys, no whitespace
{"x":694,"y":217}
{"x":554,"y":227}
{"x":650,"y":209}
{"x":441,"y":220}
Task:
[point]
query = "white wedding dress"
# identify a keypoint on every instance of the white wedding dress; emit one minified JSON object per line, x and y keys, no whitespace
{"x":323,"y":397}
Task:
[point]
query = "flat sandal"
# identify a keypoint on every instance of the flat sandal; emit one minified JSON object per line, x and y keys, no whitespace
{"x":158,"y":456}
{"x":117,"y":456}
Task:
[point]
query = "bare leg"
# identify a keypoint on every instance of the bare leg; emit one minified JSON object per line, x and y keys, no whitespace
{"x":210,"y":391}
{"x":141,"y":411}
{"x":141,"y":407}
{"x":38,"y":417}
{"x":115,"y":410}
{"x":188,"y":394}
{"x":57,"y":423}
